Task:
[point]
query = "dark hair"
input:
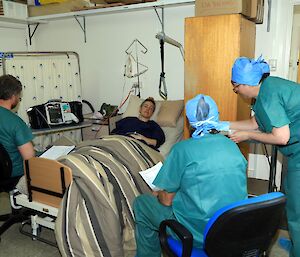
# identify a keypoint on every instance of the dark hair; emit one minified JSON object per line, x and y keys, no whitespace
{"x":149,"y":99}
{"x":264,"y":76}
{"x":9,"y":86}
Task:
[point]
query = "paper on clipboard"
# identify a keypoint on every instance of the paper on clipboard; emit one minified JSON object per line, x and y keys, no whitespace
{"x":150,"y":174}
{"x":54,"y":152}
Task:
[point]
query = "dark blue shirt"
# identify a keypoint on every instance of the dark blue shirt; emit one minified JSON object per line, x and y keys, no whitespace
{"x":149,"y":129}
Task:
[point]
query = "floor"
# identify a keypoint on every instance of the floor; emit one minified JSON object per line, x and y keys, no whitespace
{"x":15,"y":244}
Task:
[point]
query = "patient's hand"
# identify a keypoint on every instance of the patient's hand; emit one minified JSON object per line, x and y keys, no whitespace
{"x":148,"y":141}
{"x":137,"y":136}
{"x":155,"y":193}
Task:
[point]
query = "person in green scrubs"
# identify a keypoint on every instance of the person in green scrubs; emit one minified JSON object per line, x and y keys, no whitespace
{"x":277,"y":118}
{"x":200,"y":176}
{"x":15,"y":136}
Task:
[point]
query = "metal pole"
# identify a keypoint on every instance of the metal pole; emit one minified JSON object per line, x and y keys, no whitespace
{"x":272,"y":176}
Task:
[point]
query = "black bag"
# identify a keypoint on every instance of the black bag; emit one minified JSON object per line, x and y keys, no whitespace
{"x":76,"y":108}
{"x":38,"y":118}
{"x":108,"y":110}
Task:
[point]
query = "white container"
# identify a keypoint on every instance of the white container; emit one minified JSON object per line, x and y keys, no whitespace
{"x":15,"y":10}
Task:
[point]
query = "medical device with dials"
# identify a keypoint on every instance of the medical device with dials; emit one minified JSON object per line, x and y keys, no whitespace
{"x":59,"y":113}
{"x":54,"y":112}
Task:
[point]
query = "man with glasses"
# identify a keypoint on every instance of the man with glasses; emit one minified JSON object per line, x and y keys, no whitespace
{"x":277,"y":116}
{"x":15,"y":136}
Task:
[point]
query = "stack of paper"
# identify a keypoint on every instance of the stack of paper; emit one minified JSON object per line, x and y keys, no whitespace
{"x":56,"y":151}
{"x":150,"y":174}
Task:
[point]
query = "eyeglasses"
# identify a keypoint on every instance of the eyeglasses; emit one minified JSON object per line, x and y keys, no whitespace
{"x":235,"y":86}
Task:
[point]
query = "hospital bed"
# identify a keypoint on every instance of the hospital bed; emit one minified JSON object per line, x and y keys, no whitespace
{"x":168,"y":114}
{"x":46,"y":182}
{"x":87,"y":196}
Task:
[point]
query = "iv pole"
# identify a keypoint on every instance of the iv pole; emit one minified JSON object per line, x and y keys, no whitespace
{"x":163,"y":38}
{"x":136,"y":42}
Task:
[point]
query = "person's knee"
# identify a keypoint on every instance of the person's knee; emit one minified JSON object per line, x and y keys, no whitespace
{"x":141,"y":203}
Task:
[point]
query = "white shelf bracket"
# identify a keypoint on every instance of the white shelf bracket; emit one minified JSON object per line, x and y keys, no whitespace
{"x":30,"y":35}
{"x":82,"y":25}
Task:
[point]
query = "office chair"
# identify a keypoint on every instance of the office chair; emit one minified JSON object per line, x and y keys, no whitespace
{"x":7,"y":184}
{"x":241,"y":229}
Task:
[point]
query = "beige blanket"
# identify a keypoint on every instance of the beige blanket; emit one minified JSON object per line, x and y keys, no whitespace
{"x":96,"y":216}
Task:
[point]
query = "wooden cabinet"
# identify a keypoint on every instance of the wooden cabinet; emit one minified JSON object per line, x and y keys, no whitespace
{"x":212,"y":44}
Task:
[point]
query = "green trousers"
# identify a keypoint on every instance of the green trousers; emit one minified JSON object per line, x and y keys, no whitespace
{"x":149,"y":213}
{"x":292,"y":190}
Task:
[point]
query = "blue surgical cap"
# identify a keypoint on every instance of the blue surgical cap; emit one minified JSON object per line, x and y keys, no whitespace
{"x":249,"y":71}
{"x":203,"y":115}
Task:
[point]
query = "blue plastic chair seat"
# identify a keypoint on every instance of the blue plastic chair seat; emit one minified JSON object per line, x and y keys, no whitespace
{"x":176,"y":247}
{"x":224,"y":233}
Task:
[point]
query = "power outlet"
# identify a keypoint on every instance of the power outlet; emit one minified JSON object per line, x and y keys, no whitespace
{"x":273,"y":64}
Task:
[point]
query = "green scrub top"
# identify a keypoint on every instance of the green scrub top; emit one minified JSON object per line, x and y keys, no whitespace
{"x":206,"y":174}
{"x":13,"y":133}
{"x":277,"y":105}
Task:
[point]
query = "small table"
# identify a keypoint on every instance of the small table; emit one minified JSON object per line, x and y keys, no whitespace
{"x":61,"y":128}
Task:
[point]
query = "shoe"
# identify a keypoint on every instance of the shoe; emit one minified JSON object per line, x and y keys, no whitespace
{"x":285,"y":243}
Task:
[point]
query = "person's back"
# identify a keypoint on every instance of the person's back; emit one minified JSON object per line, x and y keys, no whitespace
{"x":199,"y":176}
{"x":15,"y":136}
{"x":209,"y":174}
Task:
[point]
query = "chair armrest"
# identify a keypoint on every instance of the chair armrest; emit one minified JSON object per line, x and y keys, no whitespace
{"x":112,"y":122}
{"x":182,"y":232}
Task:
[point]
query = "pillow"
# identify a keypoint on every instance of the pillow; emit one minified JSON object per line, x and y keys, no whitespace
{"x":169,"y":113}
{"x":173,"y":135}
{"x":133,"y":107}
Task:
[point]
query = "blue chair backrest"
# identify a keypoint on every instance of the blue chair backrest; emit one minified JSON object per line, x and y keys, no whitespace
{"x":244,"y":228}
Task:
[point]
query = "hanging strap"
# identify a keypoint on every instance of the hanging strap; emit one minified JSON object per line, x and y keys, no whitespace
{"x":163,"y":92}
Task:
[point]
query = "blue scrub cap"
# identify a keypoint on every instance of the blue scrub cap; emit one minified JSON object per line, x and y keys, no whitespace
{"x":203,"y":115}
{"x":249,"y":71}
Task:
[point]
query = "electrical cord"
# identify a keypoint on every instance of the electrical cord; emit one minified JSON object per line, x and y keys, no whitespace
{"x":42,"y":115}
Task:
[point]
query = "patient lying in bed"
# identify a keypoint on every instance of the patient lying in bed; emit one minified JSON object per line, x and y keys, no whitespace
{"x":141,"y":127}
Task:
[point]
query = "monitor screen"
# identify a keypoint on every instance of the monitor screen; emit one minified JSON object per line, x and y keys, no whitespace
{"x":54,"y":112}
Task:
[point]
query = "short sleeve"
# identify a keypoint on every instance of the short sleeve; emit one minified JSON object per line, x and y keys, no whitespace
{"x":23,"y":133}
{"x":270,"y":106}
{"x":170,"y":175}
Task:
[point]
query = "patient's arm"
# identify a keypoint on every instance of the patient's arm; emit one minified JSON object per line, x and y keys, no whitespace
{"x":27,"y":151}
{"x":148,"y":140}
{"x":165,"y":198}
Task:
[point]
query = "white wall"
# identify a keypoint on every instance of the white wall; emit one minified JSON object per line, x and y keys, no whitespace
{"x":102,"y":58}
{"x":295,"y":46}
{"x":12,"y":39}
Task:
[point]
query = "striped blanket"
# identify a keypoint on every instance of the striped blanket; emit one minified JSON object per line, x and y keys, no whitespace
{"x":96,"y":216}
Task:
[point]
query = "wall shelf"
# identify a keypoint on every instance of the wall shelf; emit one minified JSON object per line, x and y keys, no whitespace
{"x":116,"y":9}
{"x":15,"y":23}
{"x":35,"y":21}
